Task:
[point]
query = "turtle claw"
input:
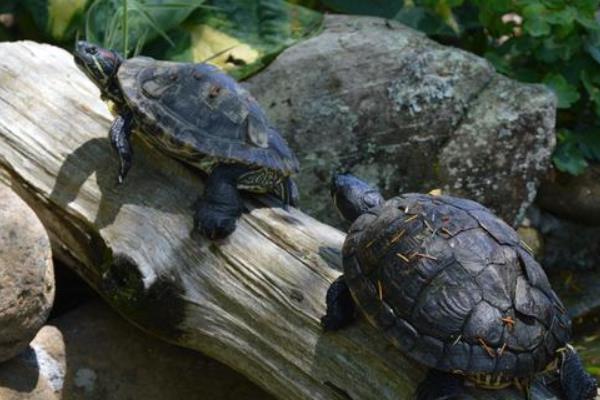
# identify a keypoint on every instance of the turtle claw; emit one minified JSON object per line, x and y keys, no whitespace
{"x":125,"y":166}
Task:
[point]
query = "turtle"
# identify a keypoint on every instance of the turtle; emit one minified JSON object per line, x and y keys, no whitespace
{"x":453,"y":288}
{"x":198,"y":114}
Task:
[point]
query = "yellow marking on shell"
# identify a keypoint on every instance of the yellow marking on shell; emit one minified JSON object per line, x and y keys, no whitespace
{"x":501,"y":352}
{"x":457,"y":340}
{"x":486,"y":347}
{"x":526,"y":246}
{"x":508,"y":321}
{"x":428,"y":256}
{"x":369,"y":244}
{"x":428,"y":225}
{"x":491,"y":381}
{"x":398,"y":236}
{"x":380,"y":290}
{"x":435,"y":192}
{"x":446,"y":231}
{"x":403,"y":257}
{"x":411,"y":218}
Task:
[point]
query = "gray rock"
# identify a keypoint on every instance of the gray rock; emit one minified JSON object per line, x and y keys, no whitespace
{"x":405,"y":113}
{"x":573,"y":197}
{"x":91,"y":353}
{"x":567,"y":245}
{"x":26,"y":274}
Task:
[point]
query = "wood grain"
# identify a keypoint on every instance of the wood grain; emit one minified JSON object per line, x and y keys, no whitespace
{"x":252,"y":301}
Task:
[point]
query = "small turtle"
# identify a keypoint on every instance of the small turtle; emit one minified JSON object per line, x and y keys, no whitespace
{"x":199,"y":115}
{"x":452,"y":286}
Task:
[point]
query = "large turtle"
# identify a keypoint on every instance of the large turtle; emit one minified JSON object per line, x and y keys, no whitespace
{"x":200,"y":115}
{"x":451,"y":286}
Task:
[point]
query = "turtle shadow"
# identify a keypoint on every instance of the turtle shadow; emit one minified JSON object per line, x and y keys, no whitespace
{"x":148,"y":184}
{"x":96,"y":159}
{"x":21,"y":373}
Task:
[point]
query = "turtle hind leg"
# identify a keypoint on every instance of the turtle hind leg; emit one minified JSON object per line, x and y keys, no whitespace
{"x":576,"y":383}
{"x":221,"y":204}
{"x":439,"y":385}
{"x":340,"y":306}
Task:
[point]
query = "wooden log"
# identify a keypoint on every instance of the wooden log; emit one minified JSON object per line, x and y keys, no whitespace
{"x":252,"y":301}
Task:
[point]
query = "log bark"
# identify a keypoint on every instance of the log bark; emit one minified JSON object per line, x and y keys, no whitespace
{"x":252,"y":301}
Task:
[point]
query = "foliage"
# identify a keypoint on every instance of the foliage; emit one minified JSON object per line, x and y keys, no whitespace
{"x":241,"y":36}
{"x":555,"y":42}
{"x":238,"y":35}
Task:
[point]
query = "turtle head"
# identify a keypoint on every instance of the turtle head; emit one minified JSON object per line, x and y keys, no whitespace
{"x":100,"y":65}
{"x":353,"y":197}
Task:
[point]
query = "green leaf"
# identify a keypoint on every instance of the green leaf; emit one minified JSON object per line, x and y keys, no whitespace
{"x":589,"y":145}
{"x":592,"y":45}
{"x":566,"y":93}
{"x":499,"y":62}
{"x":241,"y":36}
{"x":592,"y":88}
{"x":535,"y":22}
{"x":568,"y":158}
{"x":536,"y":27}
{"x":59,"y":19}
{"x":146,"y":19}
{"x":378,"y":8}
{"x":563,"y":17}
{"x":423,"y":20}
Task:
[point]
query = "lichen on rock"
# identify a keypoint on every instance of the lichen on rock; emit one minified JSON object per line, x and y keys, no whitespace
{"x":407,"y":114}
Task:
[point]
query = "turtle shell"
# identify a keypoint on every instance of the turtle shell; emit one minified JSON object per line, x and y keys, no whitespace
{"x":195,"y":110}
{"x":452,"y":286}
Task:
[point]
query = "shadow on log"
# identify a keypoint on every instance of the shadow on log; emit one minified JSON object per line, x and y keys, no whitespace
{"x":252,"y":301}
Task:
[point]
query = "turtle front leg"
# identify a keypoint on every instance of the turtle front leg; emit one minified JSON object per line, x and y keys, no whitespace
{"x":221,"y":205}
{"x":576,"y":383}
{"x":120,"y":131}
{"x":440,"y":385}
{"x":340,"y":306}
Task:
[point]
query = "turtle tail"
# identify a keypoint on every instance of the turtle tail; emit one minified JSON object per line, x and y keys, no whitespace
{"x":576,"y":383}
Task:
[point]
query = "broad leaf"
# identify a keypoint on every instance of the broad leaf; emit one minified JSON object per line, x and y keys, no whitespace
{"x":566,"y":93}
{"x":146,"y":20}
{"x":240,"y":36}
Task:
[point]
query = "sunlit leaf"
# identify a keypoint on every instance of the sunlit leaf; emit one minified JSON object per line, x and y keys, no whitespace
{"x":58,"y":18}
{"x":243,"y":34}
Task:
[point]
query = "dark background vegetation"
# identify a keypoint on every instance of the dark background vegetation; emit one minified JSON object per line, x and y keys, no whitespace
{"x":555,"y":42}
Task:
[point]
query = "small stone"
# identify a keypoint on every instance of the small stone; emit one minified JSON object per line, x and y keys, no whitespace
{"x":26,"y":274}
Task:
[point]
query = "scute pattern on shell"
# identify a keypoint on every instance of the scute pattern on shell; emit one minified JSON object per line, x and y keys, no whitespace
{"x":451,"y":285}
{"x":195,"y":110}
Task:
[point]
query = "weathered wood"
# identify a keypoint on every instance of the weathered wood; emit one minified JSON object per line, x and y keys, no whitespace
{"x":252,"y":301}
